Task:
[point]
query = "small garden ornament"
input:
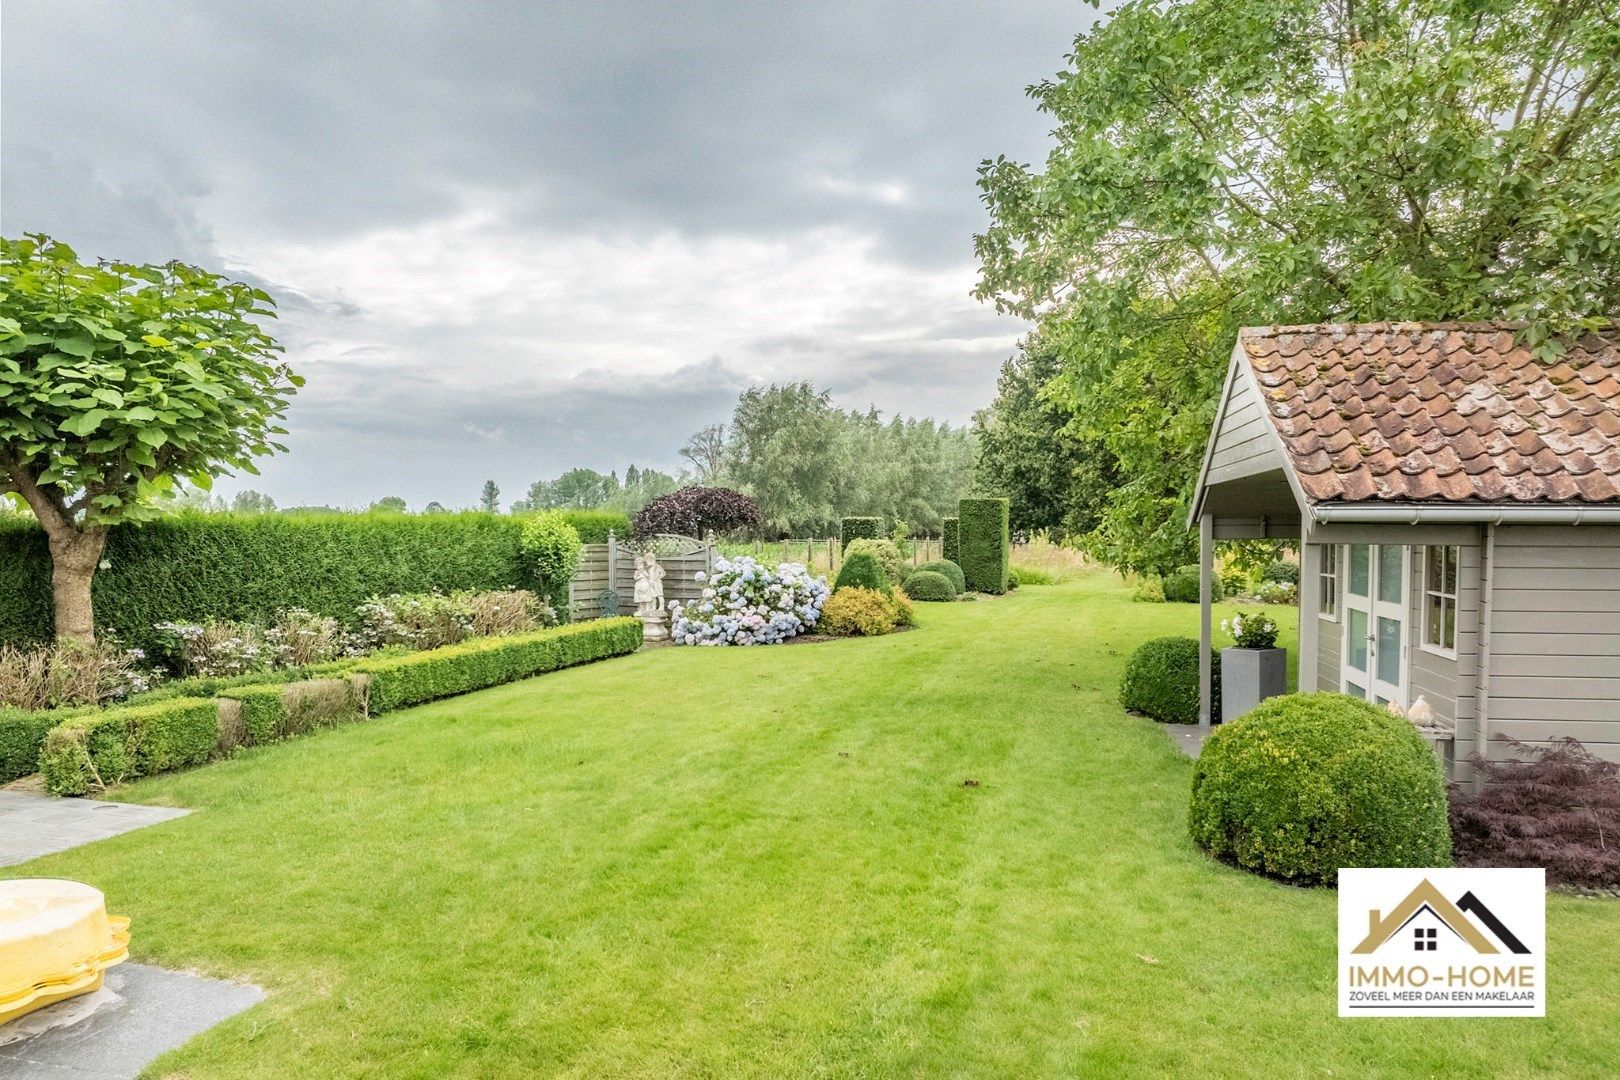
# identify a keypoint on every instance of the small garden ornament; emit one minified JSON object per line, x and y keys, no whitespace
{"x":649,"y":596}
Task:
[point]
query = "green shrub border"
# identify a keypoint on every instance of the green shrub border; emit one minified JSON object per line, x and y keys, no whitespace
{"x":83,"y":750}
{"x":95,"y":750}
{"x":949,"y":569}
{"x":191,"y":566}
{"x":983,"y":540}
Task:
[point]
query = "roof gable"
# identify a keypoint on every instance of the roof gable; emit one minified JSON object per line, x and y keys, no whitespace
{"x":1440,"y":413}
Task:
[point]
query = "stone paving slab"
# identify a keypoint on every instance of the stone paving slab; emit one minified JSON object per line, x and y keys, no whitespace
{"x":1190,"y":737}
{"x":34,"y":825}
{"x":114,"y":1033}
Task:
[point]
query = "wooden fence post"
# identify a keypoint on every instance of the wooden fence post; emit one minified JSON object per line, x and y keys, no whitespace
{"x":613,"y":563}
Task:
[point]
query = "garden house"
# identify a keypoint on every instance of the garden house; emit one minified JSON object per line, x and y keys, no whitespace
{"x":1457,"y":505}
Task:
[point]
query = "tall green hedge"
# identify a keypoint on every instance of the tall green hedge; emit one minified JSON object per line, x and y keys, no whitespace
{"x":982,"y":544}
{"x":948,"y":544}
{"x":853,"y":528}
{"x":192,"y":566}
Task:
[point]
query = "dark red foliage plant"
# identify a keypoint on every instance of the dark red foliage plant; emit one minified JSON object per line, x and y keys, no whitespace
{"x":694,"y":511}
{"x":1557,"y":806}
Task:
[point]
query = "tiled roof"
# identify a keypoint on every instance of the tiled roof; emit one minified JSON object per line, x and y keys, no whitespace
{"x":1439,"y":412}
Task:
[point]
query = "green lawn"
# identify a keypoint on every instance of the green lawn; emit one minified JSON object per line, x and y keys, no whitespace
{"x":770,"y":862}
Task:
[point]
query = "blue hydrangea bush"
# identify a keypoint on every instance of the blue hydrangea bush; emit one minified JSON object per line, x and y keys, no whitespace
{"x":749,"y":603}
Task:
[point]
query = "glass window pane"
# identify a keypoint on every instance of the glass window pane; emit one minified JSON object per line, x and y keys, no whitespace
{"x":1433,"y":619}
{"x":1434,"y":570}
{"x":1355,"y":690}
{"x":1389,"y":651}
{"x":1355,"y":629}
{"x":1358,"y":569}
{"x":1450,"y":638}
{"x":1390,"y":586}
{"x":1451,"y":569}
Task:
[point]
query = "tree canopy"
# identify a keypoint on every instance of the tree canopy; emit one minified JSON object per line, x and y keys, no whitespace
{"x":1294,"y":161}
{"x":120,"y":380}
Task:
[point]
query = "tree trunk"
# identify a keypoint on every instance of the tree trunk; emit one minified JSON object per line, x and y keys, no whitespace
{"x":74,"y":558}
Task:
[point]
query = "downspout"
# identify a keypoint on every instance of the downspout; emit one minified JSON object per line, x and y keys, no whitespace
{"x":1482,"y":685}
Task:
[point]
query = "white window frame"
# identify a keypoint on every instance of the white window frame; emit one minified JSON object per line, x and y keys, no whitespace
{"x":1330,"y":560}
{"x":1430,"y":592}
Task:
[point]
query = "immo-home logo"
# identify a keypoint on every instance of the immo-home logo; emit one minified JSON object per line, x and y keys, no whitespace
{"x":1442,"y":942}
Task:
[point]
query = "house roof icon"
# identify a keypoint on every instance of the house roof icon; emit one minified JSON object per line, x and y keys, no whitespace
{"x":1426,"y":897}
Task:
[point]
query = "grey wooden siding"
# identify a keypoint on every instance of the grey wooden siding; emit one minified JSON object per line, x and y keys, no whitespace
{"x":1329,"y":646}
{"x":1244,"y":442}
{"x":1431,"y":675}
{"x":1555,"y":637}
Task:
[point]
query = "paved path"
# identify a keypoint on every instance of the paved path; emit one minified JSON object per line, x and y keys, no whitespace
{"x":117,"y":1031}
{"x":34,"y":825}
{"x":1190,"y":737}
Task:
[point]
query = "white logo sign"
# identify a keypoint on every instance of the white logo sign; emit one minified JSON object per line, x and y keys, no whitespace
{"x":1442,"y":942}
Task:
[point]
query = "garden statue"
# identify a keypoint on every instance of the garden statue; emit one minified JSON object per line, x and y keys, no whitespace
{"x":649,"y":596}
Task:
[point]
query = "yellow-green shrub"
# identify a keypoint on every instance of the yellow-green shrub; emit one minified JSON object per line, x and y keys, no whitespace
{"x":855,"y":610}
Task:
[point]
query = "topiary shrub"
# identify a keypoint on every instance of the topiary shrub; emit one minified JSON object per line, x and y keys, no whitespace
{"x":94,"y":750}
{"x":949,"y":569}
{"x":1285,"y":572}
{"x":886,"y":552}
{"x":1181,"y":586}
{"x":1161,"y":681}
{"x":858,"y":528}
{"x":1308,"y":783}
{"x":949,"y":536}
{"x":552,"y":547}
{"x":858,"y":611}
{"x":862,"y":570}
{"x":929,"y":585}
{"x":982,"y":544}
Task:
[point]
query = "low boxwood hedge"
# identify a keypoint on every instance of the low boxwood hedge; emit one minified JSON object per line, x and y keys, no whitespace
{"x":1308,"y":783}
{"x":274,"y":711}
{"x":929,"y":585}
{"x":1161,"y":681}
{"x":949,"y":569}
{"x":22,"y":733}
{"x":93,"y":750}
{"x":399,"y":681}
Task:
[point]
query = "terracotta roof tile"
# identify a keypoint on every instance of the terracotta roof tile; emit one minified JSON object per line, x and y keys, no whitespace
{"x":1446,"y":412}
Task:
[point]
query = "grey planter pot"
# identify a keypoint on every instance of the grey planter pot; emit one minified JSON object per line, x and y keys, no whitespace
{"x":1248,"y":677}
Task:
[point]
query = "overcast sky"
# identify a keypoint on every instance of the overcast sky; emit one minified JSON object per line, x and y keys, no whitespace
{"x":512,"y":238}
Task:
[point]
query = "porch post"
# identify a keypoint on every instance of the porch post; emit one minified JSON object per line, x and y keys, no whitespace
{"x":1206,"y":571}
{"x":1310,"y":603}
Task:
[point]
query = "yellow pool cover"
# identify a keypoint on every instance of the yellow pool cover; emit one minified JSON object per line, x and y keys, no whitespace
{"x":56,"y":940}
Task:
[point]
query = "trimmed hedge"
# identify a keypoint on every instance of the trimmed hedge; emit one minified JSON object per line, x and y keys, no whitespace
{"x":593,"y":526}
{"x":949,"y":569}
{"x":862,"y":571}
{"x":1161,"y":681}
{"x":982,"y":543}
{"x":399,"y":681}
{"x":271,"y":712}
{"x":191,"y":566}
{"x":930,"y":585}
{"x":1181,"y":586}
{"x":94,"y":750}
{"x":1308,"y":783}
{"x":949,"y":538}
{"x":853,"y":528}
{"x":886,"y":552}
{"x":22,"y":733}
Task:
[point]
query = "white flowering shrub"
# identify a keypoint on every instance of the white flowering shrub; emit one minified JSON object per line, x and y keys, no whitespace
{"x":748,"y":603}
{"x":1252,"y":631}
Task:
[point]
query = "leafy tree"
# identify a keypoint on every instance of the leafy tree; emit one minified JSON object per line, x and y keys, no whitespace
{"x":391,"y":504}
{"x":1031,"y":449}
{"x":490,"y":499}
{"x":783,"y":450}
{"x":707,"y":451}
{"x":1294,"y":161}
{"x":119,"y":380}
{"x":253,"y":502}
{"x":697,"y":511}
{"x":434,"y":507}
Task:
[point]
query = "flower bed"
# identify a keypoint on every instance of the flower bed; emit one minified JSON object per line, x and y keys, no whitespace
{"x":747,"y":603}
